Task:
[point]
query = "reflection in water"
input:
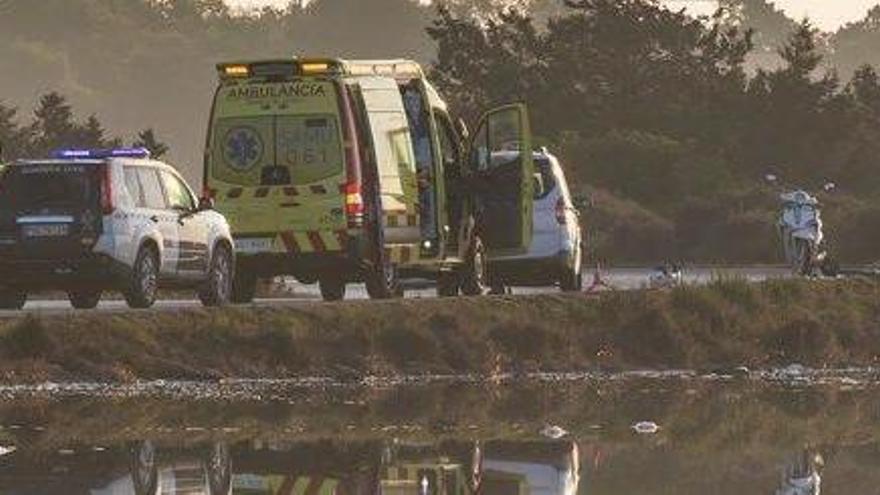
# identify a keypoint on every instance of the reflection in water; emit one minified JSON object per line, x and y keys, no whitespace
{"x":318,"y":468}
{"x":801,"y":475}
{"x":715,"y":438}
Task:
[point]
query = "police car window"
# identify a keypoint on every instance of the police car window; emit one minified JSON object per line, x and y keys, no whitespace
{"x":176,"y":193}
{"x":133,"y":185}
{"x":154,"y":197}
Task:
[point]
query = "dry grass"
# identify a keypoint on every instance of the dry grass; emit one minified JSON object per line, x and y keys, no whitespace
{"x":728,"y":323}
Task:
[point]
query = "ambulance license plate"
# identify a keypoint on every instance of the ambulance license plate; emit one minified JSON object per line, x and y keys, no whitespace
{"x":46,"y":230}
{"x":253,"y":245}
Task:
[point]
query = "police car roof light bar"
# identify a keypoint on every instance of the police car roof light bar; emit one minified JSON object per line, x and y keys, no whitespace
{"x":108,"y":153}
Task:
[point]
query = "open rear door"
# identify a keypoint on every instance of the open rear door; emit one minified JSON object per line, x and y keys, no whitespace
{"x":502,"y":162}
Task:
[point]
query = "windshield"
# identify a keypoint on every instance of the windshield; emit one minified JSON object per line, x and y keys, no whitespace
{"x":276,"y":134}
{"x":53,"y":186}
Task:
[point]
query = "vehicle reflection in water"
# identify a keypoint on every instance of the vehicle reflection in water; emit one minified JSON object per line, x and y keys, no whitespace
{"x":802,"y":475}
{"x":289,"y":468}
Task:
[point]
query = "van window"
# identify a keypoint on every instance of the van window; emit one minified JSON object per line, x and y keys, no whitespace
{"x":544,"y":167}
{"x":154,"y":197}
{"x":176,"y":193}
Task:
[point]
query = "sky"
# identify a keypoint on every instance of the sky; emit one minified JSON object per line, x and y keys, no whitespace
{"x":827,"y":14}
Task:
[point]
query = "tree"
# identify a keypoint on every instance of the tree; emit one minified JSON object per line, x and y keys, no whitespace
{"x":147,"y":139}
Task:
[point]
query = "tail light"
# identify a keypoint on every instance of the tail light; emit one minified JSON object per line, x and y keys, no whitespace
{"x":107,"y":205}
{"x":561,"y":210}
{"x":354,"y":205}
{"x":209,"y":192}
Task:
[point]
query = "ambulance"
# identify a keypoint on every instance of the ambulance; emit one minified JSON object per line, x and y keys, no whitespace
{"x":340,"y":171}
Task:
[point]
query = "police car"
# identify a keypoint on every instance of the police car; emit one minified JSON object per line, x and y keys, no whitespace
{"x":87,"y":221}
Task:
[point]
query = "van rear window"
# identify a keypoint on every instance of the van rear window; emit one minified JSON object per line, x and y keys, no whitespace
{"x":50,"y":186}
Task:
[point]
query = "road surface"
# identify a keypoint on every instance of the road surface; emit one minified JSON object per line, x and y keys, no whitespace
{"x":619,"y":278}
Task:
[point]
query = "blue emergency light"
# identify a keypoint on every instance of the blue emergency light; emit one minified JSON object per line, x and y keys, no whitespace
{"x":101,"y":154}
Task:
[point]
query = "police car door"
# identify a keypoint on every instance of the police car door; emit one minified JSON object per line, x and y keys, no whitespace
{"x":503,"y":169}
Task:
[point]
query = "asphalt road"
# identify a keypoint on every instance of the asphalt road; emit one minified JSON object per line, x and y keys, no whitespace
{"x":619,"y":278}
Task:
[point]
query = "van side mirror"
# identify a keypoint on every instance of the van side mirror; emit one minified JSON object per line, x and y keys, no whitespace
{"x":206,"y":203}
{"x":582,"y":202}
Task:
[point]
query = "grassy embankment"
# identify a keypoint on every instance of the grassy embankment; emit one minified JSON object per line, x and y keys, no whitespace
{"x":727,"y":323}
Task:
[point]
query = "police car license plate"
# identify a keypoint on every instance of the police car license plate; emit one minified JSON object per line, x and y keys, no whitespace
{"x":46,"y":230}
{"x":253,"y":245}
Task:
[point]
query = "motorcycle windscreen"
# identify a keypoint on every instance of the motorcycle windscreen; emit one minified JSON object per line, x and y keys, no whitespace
{"x":501,"y":159}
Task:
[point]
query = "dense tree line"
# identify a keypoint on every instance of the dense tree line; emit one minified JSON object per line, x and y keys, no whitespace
{"x":53,"y":126}
{"x":671,"y":120}
{"x":659,"y":112}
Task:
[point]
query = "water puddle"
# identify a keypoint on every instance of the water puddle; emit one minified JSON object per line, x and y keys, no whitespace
{"x":789,"y":431}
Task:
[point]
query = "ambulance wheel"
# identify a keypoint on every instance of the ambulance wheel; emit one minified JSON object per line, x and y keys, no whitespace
{"x":475,"y":276}
{"x":383,"y":282}
{"x":447,"y":284}
{"x":332,"y":288}
{"x":144,"y":283}
{"x":84,"y":299}
{"x":244,"y":287}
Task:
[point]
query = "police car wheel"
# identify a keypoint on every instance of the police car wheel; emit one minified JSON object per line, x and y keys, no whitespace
{"x":244,"y":287}
{"x":84,"y":299}
{"x":12,"y":299}
{"x":217,"y":290}
{"x":475,"y":276}
{"x":144,"y":284}
{"x":571,"y":279}
{"x":332,"y":288}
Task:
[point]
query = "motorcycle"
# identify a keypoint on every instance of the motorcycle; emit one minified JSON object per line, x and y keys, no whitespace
{"x":801,"y":231}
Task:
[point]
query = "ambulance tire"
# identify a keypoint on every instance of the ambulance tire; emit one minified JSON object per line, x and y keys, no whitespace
{"x":448,"y":284}
{"x":474,"y":279}
{"x":332,"y":288}
{"x":384,"y":282}
{"x":244,"y":287}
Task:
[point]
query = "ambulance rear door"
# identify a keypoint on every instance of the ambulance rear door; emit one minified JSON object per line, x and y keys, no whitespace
{"x":392,"y":150}
{"x":502,"y":169}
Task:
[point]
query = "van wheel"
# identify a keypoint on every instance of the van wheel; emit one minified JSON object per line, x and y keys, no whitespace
{"x":474,"y":279}
{"x":12,"y":299}
{"x":244,"y":287}
{"x":217,"y":290}
{"x":383,"y":282}
{"x":332,"y":288}
{"x":84,"y":299}
{"x":448,"y":284}
{"x":144,"y":283}
{"x":571,"y":279}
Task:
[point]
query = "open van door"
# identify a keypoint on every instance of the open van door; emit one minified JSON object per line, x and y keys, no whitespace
{"x":502,"y":164}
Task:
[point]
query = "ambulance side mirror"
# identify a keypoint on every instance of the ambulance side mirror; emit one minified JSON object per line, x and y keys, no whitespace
{"x":462,"y":129}
{"x":206,"y":203}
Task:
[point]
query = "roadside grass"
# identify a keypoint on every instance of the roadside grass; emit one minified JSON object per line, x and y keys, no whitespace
{"x":727,"y":323}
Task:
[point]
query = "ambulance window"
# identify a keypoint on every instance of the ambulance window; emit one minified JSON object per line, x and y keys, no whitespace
{"x":154,"y":197}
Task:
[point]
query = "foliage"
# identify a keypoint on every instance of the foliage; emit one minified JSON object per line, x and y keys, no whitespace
{"x":54,"y":126}
{"x":659,"y":110}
